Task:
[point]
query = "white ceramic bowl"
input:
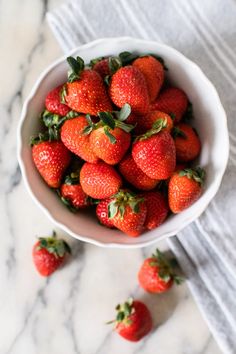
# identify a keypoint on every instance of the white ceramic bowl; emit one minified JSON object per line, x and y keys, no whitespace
{"x":210,"y":121}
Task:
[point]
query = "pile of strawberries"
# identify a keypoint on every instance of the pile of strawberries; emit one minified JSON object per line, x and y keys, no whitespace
{"x":117,"y":136}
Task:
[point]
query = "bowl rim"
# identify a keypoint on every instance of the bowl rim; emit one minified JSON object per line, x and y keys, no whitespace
{"x":23,"y":115}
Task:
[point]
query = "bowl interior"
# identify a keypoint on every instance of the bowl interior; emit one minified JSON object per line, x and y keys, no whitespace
{"x":210,"y":122}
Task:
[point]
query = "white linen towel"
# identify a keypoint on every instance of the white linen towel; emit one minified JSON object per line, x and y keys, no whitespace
{"x":204,"y":32}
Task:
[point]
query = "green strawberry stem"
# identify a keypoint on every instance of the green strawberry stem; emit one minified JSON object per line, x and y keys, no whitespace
{"x":165,"y":267}
{"x":36,"y":139}
{"x":57,"y":247}
{"x":110,"y":121}
{"x":120,"y":201}
{"x":198,"y":174}
{"x":156,"y":128}
{"x":76,"y":67}
{"x":123,"y":312}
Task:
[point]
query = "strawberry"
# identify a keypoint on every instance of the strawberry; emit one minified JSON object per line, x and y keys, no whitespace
{"x":172,"y":101}
{"x":154,"y":153}
{"x":110,"y":138}
{"x":102,"y":213}
{"x":128,"y":85}
{"x":127,"y":212}
{"x":157,"y":209}
{"x":132,"y":119}
{"x":101,"y":66}
{"x":49,"y":253}
{"x":153,"y":71}
{"x":133,"y":320}
{"x":73,"y":137}
{"x":99,"y":180}
{"x":135,"y":176}
{"x":51,"y":159}
{"x":106,"y":66}
{"x":53,"y":102}
{"x":85,"y":91}
{"x":146,"y":123}
{"x":72,"y":194}
{"x":180,"y":166}
{"x":156,"y":274}
{"x":187,"y":142}
{"x":185,"y":187}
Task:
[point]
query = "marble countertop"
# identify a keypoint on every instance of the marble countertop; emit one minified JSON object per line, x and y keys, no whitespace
{"x":67,"y":312}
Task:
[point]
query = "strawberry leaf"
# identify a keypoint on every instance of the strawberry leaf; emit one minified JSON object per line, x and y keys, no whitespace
{"x":63,"y":94}
{"x":112,"y":209}
{"x":124,"y":113}
{"x":126,"y":127}
{"x":114,"y":64}
{"x":76,"y":67}
{"x":107,"y":119}
{"x":87,"y":130}
{"x":107,"y":79}
{"x":109,"y":135}
{"x":57,"y":247}
{"x":177,"y":132}
{"x":172,"y":116}
{"x":127,"y":57}
{"x":159,"y":124}
{"x":197,"y":174}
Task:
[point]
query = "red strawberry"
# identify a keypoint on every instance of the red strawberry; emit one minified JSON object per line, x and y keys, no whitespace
{"x":157,"y":209}
{"x":180,"y":166}
{"x":72,"y":194}
{"x":154,"y":153}
{"x":73,"y":137}
{"x":128,"y":212}
{"x":85,"y":91}
{"x":99,"y":180}
{"x":132,"y":119}
{"x":187,"y":143}
{"x":153,"y":72}
{"x":106,"y":150}
{"x":135,"y":176}
{"x":146,"y":123}
{"x":53,"y":102}
{"x":106,"y":66}
{"x":185,"y":187}
{"x":102,"y":213}
{"x":51,"y":159}
{"x":102,"y":67}
{"x":49,"y":253}
{"x":133,"y":320}
{"x":156,"y":274}
{"x":172,"y":101}
{"x":110,"y":138}
{"x":128,"y":85}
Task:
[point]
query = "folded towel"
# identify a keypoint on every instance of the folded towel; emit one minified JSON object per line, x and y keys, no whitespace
{"x":206,"y":250}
